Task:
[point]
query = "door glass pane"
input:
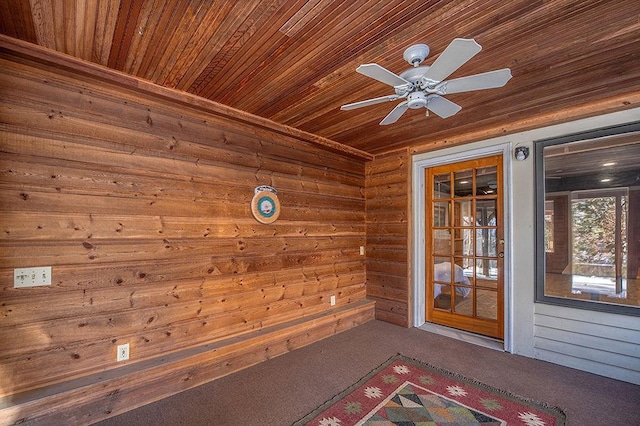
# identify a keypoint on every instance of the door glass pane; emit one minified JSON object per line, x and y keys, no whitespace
{"x":487,"y":242}
{"x":463,"y":183}
{"x":442,"y":296}
{"x":463,"y":213}
{"x":465,"y":275}
{"x":437,"y":260}
{"x":463,"y":301}
{"x":487,"y":273}
{"x":441,"y":214}
{"x":487,"y":304}
{"x":464,"y":242}
{"x":486,"y":180}
{"x":486,"y":213}
{"x":442,"y":272}
{"x":442,"y":241}
{"x":442,"y":186}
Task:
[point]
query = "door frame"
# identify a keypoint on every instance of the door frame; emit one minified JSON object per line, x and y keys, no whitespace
{"x":421,"y":162}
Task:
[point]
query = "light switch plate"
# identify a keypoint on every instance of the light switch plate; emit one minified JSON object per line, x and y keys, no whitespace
{"x":123,"y":352}
{"x":31,"y":277}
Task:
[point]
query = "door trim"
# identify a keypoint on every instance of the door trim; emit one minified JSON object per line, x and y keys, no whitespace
{"x":421,"y":162}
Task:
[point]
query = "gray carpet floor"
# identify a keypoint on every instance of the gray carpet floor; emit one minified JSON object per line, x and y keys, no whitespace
{"x":286,"y":388}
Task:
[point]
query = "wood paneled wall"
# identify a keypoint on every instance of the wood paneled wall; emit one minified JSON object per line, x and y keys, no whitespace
{"x":140,"y":202}
{"x":388,"y":262}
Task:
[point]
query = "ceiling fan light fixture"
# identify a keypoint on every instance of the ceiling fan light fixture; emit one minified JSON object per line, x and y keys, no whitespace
{"x":417,"y":100}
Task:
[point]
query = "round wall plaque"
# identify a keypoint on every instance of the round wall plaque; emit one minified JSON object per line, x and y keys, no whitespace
{"x":265,"y":205}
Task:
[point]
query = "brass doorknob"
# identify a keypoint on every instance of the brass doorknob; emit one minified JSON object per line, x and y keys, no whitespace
{"x":501,"y":255}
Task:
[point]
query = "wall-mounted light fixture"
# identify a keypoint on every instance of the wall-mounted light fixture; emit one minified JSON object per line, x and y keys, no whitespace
{"x":521,"y":153}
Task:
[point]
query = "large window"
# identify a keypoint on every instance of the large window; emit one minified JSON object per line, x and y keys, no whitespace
{"x":588,"y":220}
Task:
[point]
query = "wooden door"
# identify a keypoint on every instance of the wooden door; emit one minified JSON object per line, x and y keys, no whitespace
{"x":465,"y":246}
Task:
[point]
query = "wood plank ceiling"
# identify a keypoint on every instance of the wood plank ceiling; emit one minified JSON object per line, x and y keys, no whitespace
{"x":294,"y":61}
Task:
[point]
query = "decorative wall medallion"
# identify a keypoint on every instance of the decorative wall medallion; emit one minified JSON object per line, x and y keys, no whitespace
{"x":265,"y":205}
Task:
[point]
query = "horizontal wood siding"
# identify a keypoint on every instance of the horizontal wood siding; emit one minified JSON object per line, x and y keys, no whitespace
{"x":388,"y":259}
{"x":597,"y":342}
{"x":142,"y":207}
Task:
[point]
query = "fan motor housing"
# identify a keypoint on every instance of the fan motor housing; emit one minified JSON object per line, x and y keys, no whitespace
{"x":416,"y":100}
{"x":414,"y":74}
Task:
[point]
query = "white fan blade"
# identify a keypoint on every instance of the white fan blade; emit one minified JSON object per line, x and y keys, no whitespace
{"x":369,"y":102}
{"x":395,"y":113}
{"x":459,"y":51}
{"x":487,"y":80}
{"x":381,"y":74}
{"x":442,"y":107}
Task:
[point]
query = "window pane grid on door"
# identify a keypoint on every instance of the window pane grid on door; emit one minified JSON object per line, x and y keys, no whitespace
{"x":464,"y":207}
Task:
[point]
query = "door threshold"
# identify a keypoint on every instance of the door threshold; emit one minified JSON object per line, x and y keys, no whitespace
{"x":464,"y":336}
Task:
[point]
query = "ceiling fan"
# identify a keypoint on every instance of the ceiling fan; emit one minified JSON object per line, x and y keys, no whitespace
{"x":425,"y":86}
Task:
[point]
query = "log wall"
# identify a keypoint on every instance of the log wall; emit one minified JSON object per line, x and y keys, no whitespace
{"x":388,"y":231}
{"x":140,"y":202}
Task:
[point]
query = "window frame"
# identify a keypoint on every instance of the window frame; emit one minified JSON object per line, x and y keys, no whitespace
{"x":540,"y":198}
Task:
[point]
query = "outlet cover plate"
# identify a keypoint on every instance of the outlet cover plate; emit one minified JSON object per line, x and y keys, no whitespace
{"x":31,"y":277}
{"x":333,"y":300}
{"x":123,"y":352}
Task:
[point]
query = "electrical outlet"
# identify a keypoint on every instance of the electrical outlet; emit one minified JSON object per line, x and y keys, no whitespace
{"x":333,"y":300}
{"x":123,"y":352}
{"x":361,"y":250}
{"x":31,"y":277}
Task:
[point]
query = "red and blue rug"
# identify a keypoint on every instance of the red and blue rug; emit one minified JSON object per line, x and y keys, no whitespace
{"x":407,"y":392}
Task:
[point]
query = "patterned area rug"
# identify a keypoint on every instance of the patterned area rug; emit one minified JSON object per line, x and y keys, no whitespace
{"x":407,"y":392}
